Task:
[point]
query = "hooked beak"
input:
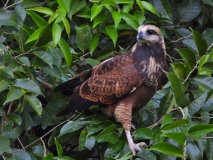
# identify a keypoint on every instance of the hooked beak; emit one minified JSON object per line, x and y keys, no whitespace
{"x":140,"y":36}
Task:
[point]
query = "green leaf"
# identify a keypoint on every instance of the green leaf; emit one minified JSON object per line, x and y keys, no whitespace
{"x":82,"y":139}
{"x":44,"y":56}
{"x":208,"y":66}
{"x":167,"y":148}
{"x":108,"y":135}
{"x":109,"y":3}
{"x":28,"y":85}
{"x":200,"y":43}
{"x":179,"y":137}
{"x":90,"y":143}
{"x":38,"y":151}
{"x":83,"y":37}
{"x":116,"y":17}
{"x":56,"y":32}
{"x":188,"y":56}
{"x":112,"y":33}
{"x":65,"y":49}
{"x":65,"y":4}
{"x":44,"y":10}
{"x":94,"y":43}
{"x":97,"y":20}
{"x":95,"y":10}
{"x":3,"y":85}
{"x":175,"y":124}
{"x":140,"y":17}
{"x":76,"y":7}
{"x":200,"y":129}
{"x":167,"y":120}
{"x":58,"y":147}
{"x":140,"y":5}
{"x":13,"y":133}
{"x":130,"y":20}
{"x":163,"y":7}
{"x":92,"y":62}
{"x":164,"y":104}
{"x":5,"y":143}
{"x":36,"y":34}
{"x":204,"y":81}
{"x":176,"y":87}
{"x":7,"y":18}
{"x":71,"y":127}
{"x":54,"y":72}
{"x":24,"y":60}
{"x":66,"y":25}
{"x":35,"y":103}
{"x":149,"y":7}
{"x":123,"y":1}
{"x":15,"y":118}
{"x":13,"y":94}
{"x":143,"y":133}
{"x":197,"y":103}
{"x":188,"y":10}
{"x":37,"y":19}
{"x":7,"y":71}
{"x":53,"y":17}
{"x":146,"y":155}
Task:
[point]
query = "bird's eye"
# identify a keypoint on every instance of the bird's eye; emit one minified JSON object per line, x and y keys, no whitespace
{"x":150,"y":31}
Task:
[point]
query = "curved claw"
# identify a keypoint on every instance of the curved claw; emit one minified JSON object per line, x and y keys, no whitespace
{"x":136,"y":147}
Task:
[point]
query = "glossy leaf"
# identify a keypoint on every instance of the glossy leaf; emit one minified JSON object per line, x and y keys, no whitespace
{"x":175,"y":124}
{"x":13,"y":94}
{"x":66,"y":25}
{"x":28,"y":85}
{"x":65,"y":4}
{"x":53,"y":17}
{"x":167,"y":148}
{"x":116,"y":17}
{"x":36,"y":34}
{"x":71,"y":127}
{"x":193,"y":151}
{"x":56,"y":33}
{"x":65,"y":49}
{"x":76,"y":7}
{"x":179,"y":137}
{"x":3,"y":85}
{"x":44,"y":56}
{"x":95,"y":10}
{"x":108,"y":135}
{"x":82,"y":139}
{"x":188,"y":56}
{"x":130,"y":20}
{"x":37,"y":19}
{"x":112,"y":33}
{"x":189,"y":10}
{"x":83,"y":37}
{"x":148,"y":6}
{"x":94,"y":43}
{"x":200,"y":129}
{"x":34,"y":102}
{"x":44,"y":10}
{"x":146,"y":155}
{"x":200,"y":43}
{"x":4,"y":146}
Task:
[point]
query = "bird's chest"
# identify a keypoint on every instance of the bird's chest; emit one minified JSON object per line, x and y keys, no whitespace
{"x":151,"y":71}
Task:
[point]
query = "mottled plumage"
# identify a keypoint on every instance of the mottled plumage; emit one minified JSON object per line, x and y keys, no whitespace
{"x":124,"y":83}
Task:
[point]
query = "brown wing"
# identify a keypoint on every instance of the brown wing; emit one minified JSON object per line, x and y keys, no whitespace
{"x":111,"y":80}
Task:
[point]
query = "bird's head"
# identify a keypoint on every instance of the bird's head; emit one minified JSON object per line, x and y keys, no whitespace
{"x":149,"y":34}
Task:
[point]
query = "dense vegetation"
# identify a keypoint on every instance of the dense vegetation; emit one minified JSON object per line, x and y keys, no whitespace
{"x":44,"y":43}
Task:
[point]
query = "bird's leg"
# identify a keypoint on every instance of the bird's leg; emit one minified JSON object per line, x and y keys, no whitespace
{"x":123,"y":113}
{"x":132,"y":146}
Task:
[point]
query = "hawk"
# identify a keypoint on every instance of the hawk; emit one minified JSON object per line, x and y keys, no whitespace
{"x":122,"y":84}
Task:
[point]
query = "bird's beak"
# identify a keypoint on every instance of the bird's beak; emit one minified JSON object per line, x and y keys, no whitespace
{"x":140,"y":36}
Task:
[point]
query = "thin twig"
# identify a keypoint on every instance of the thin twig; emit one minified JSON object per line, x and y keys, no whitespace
{"x":25,"y":53}
{"x":193,"y":69}
{"x":9,"y":108}
{"x":177,"y":40}
{"x":13,"y":4}
{"x":45,"y":150}
{"x":45,"y":84}
{"x":6,"y":3}
{"x":49,"y":132}
{"x":20,"y":142}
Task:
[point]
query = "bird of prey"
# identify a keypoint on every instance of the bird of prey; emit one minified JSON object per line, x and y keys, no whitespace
{"x":122,"y":84}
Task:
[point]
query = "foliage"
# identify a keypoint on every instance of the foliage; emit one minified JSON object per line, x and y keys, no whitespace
{"x":43,"y":44}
